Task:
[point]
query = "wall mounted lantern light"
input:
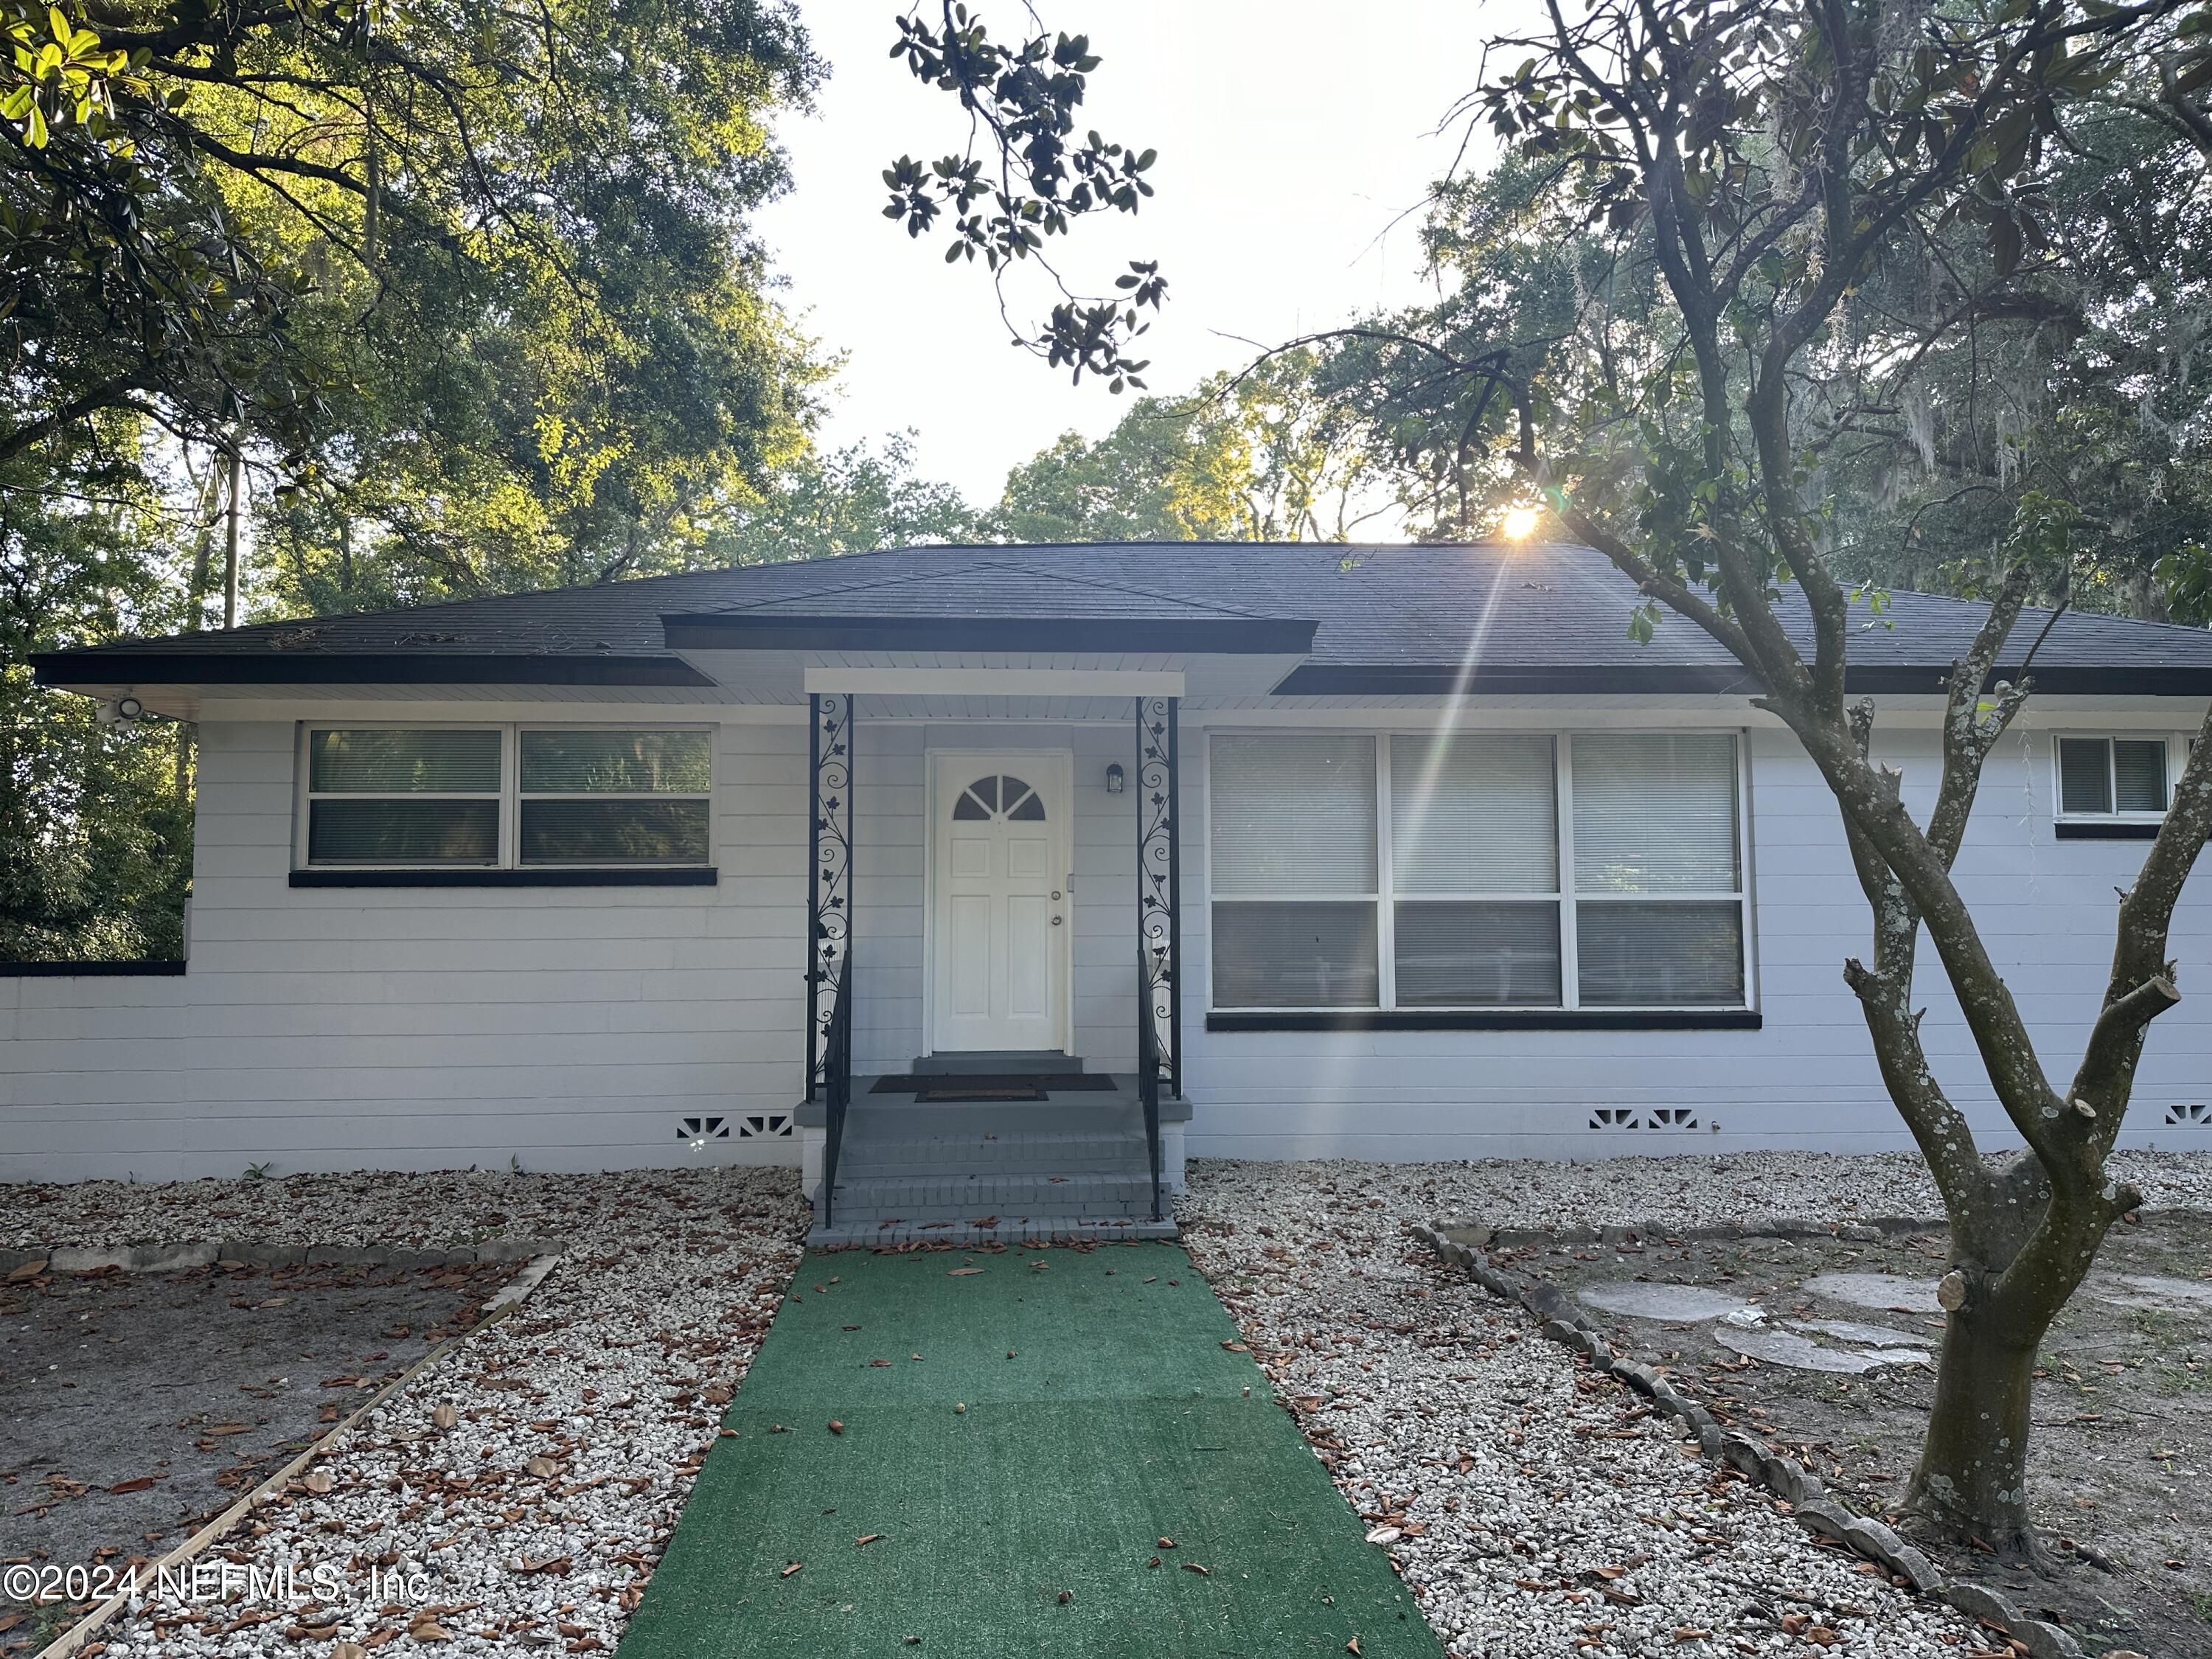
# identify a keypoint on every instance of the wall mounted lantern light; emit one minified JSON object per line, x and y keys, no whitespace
{"x":1114,"y":778}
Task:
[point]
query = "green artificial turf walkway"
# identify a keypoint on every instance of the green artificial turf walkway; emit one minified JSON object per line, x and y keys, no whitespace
{"x":1022,"y":1526}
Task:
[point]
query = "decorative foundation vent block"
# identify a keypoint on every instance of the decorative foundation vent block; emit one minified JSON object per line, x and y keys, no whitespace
{"x":1658,"y":1117}
{"x":765,"y":1125}
{"x":702,"y":1128}
{"x":2195,"y":1114}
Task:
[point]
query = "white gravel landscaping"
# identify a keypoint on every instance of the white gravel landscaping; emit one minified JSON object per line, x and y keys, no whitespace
{"x":1537,"y":1508}
{"x":531,"y":1514}
{"x":523,"y":1490}
{"x":1733,"y":1187}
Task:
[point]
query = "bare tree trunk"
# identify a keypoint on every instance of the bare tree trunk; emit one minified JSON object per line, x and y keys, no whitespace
{"x":230,"y":544}
{"x":1972,"y":1480}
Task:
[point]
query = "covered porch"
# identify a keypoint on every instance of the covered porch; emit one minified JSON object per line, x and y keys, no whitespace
{"x":994,"y":893}
{"x":994,"y":985}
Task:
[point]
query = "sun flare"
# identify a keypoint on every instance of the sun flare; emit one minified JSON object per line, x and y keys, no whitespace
{"x":1519,"y":524}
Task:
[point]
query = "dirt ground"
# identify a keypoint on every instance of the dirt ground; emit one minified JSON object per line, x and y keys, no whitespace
{"x":2118,"y":1476}
{"x":135,"y":1406}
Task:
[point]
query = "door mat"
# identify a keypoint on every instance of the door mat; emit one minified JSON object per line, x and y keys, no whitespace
{"x":994,"y":1085}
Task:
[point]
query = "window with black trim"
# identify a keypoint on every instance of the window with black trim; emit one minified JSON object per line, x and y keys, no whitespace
{"x":381,"y":796}
{"x":1478,"y":871}
{"x":505,"y":796}
{"x":602,"y":797}
{"x":2110,"y":779}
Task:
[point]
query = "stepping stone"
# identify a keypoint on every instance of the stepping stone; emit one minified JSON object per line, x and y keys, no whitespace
{"x":1803,"y":1354}
{"x":1885,"y":1292}
{"x":1867,"y":1336}
{"x":2150,"y":1291}
{"x":1668,"y":1303}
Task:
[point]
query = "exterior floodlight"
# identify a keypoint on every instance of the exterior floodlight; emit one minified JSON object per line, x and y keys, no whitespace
{"x":128,"y":708}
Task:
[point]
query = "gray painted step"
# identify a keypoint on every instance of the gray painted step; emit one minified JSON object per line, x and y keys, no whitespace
{"x":911,"y":1156}
{"x":1013,"y":1197}
{"x":1094,"y":1229}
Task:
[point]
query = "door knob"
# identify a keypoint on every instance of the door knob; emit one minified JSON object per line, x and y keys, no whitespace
{"x":1055,"y":898}
{"x":1055,"y":921}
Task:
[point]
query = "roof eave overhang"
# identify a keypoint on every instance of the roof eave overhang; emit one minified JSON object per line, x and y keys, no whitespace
{"x":74,"y":670}
{"x":1150,"y":636}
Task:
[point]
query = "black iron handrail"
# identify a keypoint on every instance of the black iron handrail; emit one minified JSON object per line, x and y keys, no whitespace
{"x":1148,"y":1062}
{"x":836,"y":1081}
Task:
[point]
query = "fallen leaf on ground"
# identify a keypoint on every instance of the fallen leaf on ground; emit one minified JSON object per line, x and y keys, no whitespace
{"x":866,"y":1538}
{"x":1193,"y":1566}
{"x":790,"y":1570}
{"x":963,"y":1273}
{"x":836,"y":1427}
{"x":138,"y":1485}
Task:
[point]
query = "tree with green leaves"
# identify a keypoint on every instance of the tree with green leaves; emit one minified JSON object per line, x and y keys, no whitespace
{"x":406,"y":303}
{"x":1263,"y":456}
{"x":1757,"y":185}
{"x":853,"y":500}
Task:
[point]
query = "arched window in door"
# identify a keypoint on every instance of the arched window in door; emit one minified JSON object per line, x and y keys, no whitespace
{"x":999,"y":797}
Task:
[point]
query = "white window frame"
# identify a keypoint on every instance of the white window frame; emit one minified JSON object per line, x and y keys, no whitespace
{"x":510,"y":796}
{"x":2177,"y":756}
{"x":1385,"y":983}
{"x":1386,"y":898}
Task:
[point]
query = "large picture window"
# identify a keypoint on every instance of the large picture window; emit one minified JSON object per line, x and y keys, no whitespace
{"x":390,"y":797}
{"x":1490,"y":870}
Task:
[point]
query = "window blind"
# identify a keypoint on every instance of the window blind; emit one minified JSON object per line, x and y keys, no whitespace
{"x":2085,"y":783}
{"x":1463,"y":955}
{"x":1293,"y":815}
{"x":1637,"y":954}
{"x":1295,"y":956}
{"x":1474,"y":814}
{"x":381,"y":795}
{"x":1654,"y":814}
{"x":391,"y":763}
{"x":616,"y":763}
{"x":2139,"y":774}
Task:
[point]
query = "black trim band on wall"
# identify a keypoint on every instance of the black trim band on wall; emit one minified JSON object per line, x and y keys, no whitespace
{"x":102,"y":665}
{"x":2072,"y":829}
{"x":1627,"y":678}
{"x":160,"y":968}
{"x":685,"y":878}
{"x":1259,"y":635}
{"x":1490,"y":1019}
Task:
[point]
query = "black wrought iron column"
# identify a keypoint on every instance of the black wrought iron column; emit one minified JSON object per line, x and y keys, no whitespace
{"x":829,"y":872}
{"x":1159,"y":882}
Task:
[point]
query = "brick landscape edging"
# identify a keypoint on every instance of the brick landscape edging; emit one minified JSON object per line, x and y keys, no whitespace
{"x":1786,"y":1477}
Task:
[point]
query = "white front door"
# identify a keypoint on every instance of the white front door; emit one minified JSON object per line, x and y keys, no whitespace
{"x":1001,"y":912}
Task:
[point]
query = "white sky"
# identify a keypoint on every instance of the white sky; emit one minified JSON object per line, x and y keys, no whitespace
{"x":1292,"y":135}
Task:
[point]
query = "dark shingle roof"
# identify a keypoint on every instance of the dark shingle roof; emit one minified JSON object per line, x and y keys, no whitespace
{"x":1382,"y":618}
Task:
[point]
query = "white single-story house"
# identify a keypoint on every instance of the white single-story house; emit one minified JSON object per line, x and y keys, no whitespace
{"x":1265,"y":851}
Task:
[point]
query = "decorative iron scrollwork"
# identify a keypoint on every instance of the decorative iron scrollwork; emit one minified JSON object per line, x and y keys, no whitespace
{"x":1159,"y":880}
{"x":830,"y":880}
